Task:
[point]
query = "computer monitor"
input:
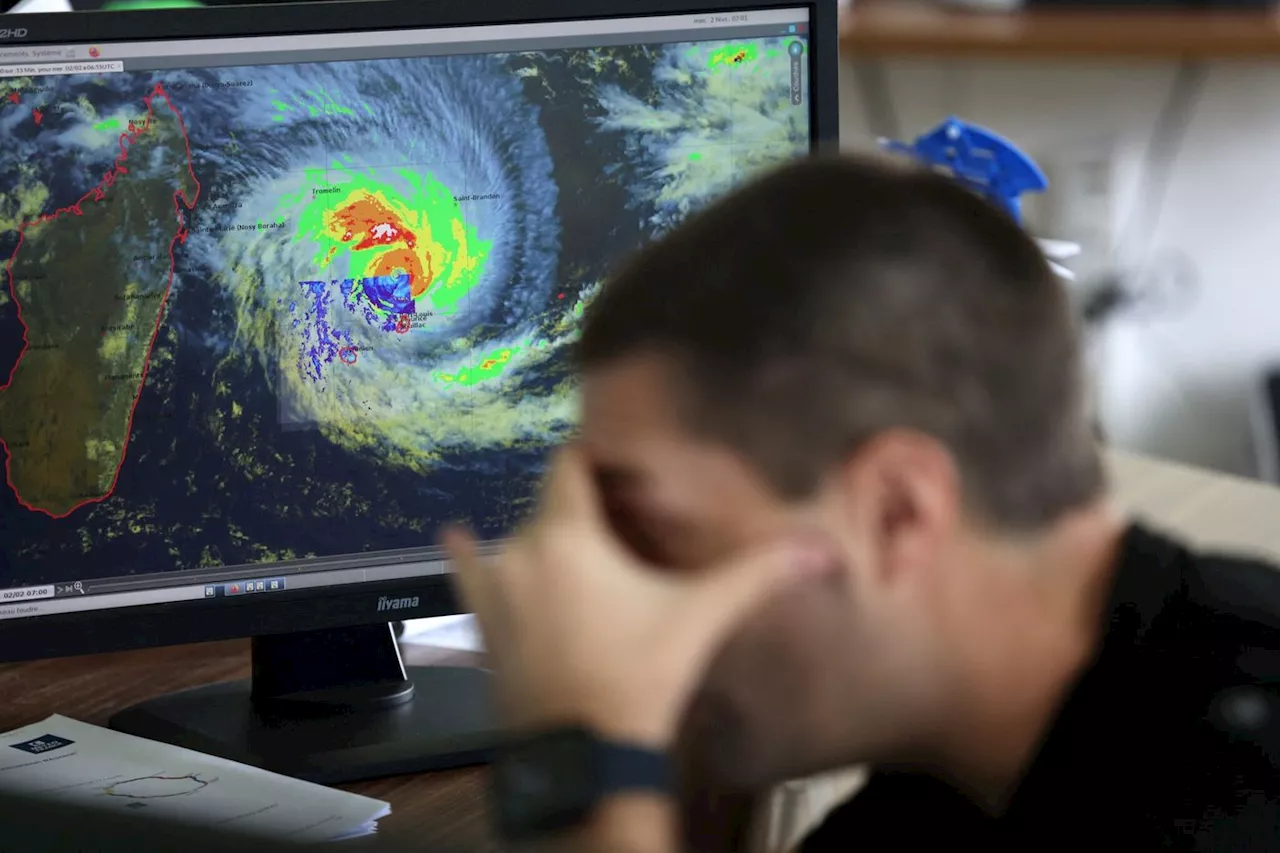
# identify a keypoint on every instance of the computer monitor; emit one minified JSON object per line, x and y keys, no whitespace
{"x":290,"y":286}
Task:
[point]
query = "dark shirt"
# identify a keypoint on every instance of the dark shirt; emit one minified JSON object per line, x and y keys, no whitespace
{"x":1169,"y":741}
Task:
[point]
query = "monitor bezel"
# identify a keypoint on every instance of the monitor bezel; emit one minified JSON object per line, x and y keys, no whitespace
{"x":175,"y":623}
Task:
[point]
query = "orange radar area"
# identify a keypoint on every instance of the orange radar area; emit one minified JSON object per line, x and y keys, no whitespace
{"x":367,"y":222}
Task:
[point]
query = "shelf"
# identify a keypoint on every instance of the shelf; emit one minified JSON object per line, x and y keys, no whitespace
{"x":896,"y":28}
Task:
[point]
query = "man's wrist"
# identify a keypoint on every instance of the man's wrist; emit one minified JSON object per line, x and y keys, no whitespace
{"x":556,"y":780}
{"x":628,"y":822}
{"x":646,"y":731}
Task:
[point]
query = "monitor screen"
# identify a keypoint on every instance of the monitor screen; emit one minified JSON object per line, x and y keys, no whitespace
{"x":276,"y":308}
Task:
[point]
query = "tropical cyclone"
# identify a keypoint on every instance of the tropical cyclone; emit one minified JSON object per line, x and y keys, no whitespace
{"x":91,"y":282}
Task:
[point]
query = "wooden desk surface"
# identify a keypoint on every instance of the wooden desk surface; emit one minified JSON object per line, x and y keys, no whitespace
{"x":437,"y":812}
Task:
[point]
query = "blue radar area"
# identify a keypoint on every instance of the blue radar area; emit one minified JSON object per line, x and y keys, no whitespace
{"x":389,"y":294}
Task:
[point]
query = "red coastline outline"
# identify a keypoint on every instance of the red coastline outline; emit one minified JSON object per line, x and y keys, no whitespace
{"x":96,"y":194}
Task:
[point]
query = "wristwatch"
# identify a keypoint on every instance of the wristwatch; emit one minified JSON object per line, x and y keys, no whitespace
{"x":551,"y":781}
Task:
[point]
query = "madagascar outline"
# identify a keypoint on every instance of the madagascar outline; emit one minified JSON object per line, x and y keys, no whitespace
{"x":90,"y":298}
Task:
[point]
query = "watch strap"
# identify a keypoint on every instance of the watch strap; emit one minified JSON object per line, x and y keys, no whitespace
{"x":624,"y":767}
{"x":550,"y":781}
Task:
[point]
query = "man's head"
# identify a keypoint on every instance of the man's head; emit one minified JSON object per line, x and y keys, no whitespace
{"x":851,"y":351}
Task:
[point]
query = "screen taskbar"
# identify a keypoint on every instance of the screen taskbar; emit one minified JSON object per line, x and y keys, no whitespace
{"x":253,"y":580}
{"x":38,"y":60}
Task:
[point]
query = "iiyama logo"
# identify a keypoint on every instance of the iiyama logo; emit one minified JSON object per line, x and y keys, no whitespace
{"x":13,"y":33}
{"x":385,"y":603}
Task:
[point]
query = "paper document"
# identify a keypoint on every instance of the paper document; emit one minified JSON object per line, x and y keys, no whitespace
{"x":64,"y":760}
{"x":445,"y":632}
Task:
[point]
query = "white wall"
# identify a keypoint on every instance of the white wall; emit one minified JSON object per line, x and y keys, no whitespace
{"x":1173,"y":383}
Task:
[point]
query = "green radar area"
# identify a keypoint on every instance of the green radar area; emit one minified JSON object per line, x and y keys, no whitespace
{"x":66,"y":409}
{"x":490,"y":366}
{"x":732,"y":56}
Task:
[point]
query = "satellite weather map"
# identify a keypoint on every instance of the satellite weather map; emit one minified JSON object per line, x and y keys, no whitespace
{"x":268,"y":313}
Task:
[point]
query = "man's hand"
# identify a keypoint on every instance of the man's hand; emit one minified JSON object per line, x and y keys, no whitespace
{"x":580,"y":631}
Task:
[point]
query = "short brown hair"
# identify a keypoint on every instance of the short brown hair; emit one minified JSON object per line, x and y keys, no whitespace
{"x":838,"y":298}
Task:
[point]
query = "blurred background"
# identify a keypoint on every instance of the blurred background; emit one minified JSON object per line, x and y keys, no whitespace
{"x":1158,"y":126}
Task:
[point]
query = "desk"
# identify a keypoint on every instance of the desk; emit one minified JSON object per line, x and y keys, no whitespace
{"x":444,"y":812}
{"x":437,"y":812}
{"x":1208,"y":510}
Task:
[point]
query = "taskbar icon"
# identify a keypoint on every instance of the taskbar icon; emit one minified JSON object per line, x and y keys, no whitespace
{"x":250,"y":587}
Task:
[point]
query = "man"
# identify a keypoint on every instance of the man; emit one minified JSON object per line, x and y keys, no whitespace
{"x":837,"y":499}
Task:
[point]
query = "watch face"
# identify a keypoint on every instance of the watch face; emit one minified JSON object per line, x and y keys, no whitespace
{"x":527,"y":781}
{"x":546,"y":783}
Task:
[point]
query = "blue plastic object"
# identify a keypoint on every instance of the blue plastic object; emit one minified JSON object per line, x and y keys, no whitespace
{"x":986,"y":163}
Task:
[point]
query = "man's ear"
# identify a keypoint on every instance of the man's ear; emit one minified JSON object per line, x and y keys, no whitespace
{"x":904,"y":491}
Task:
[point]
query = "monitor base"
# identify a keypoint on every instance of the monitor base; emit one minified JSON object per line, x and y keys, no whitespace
{"x":416,"y":719}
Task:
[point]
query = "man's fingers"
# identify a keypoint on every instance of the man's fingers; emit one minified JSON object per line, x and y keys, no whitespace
{"x":474,"y":581}
{"x":725,"y":595}
{"x":569,"y":493}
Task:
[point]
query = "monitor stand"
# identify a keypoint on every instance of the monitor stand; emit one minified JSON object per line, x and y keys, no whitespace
{"x":330,"y":706}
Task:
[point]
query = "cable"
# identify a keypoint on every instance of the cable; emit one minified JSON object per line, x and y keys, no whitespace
{"x":1167,"y":135}
{"x":1160,"y":282}
{"x":1173,"y":273}
{"x":877,"y":100}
